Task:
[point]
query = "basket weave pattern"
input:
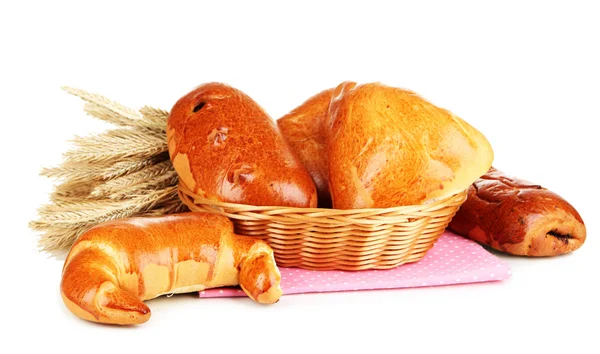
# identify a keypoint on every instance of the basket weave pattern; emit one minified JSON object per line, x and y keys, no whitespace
{"x":332,"y":239}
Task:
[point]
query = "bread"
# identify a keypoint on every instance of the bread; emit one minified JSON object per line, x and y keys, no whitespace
{"x":389,"y":147}
{"x":519,"y":218}
{"x":112,"y":268}
{"x":303,"y":128}
{"x":225,"y":147}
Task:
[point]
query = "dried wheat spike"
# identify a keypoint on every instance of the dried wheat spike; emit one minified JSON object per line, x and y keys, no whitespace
{"x":116,"y":144}
{"x":155,"y":117}
{"x":79,"y":171}
{"x":150,"y":176}
{"x":102,"y":101}
{"x":119,"y":173}
{"x":62,"y":223}
{"x":155,"y":123}
{"x":132,"y":165}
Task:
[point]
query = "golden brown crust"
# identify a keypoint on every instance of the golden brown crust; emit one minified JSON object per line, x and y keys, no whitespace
{"x":304,"y":131}
{"x":115,"y":266}
{"x":223,"y":145}
{"x":517,"y":217}
{"x":389,"y":147}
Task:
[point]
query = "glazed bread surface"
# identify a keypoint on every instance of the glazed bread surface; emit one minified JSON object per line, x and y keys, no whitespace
{"x":225,"y":147}
{"x":303,"y":128}
{"x":114,"y":267}
{"x":389,"y":147}
{"x":517,"y":217}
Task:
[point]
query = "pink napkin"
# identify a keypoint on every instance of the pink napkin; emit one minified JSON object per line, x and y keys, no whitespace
{"x":452,"y":260}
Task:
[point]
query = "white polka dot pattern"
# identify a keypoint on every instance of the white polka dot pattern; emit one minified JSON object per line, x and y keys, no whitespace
{"x":452,"y":260}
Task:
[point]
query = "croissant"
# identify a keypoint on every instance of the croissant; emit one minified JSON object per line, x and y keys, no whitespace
{"x":114,"y":267}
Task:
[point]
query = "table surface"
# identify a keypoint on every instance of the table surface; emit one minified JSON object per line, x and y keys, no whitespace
{"x":523,"y":74}
{"x":544,"y":300}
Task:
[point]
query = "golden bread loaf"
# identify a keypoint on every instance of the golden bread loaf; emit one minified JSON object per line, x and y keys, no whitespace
{"x":303,"y":128}
{"x":381,"y":146}
{"x":112,"y":268}
{"x":225,"y":147}
{"x":389,"y":147}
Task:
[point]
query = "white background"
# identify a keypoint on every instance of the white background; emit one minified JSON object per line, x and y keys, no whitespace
{"x":526,"y":74}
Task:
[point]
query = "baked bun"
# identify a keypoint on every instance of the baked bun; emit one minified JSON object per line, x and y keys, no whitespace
{"x":389,"y":147}
{"x":225,"y":147}
{"x":303,"y":128}
{"x":518,"y":217}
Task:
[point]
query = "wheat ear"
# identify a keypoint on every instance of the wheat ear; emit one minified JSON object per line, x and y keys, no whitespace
{"x":123,"y":113}
{"x":122,"y":172}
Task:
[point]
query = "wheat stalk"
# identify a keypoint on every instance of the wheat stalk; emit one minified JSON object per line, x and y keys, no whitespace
{"x":122,"y":172}
{"x":74,"y":171}
{"x":63,"y":226}
{"x":153,"y":177}
{"x":126,"y":166}
{"x":149,"y":173}
{"x":124,"y":113}
{"x":154,"y":117}
{"x":73,"y":189}
{"x":81,"y":171}
{"x":115,"y":145}
{"x":157,"y":184}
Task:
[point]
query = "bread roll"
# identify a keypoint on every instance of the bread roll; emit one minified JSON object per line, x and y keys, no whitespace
{"x":303,"y":128}
{"x":517,"y":217}
{"x":112,"y":268}
{"x":389,"y":147}
{"x":225,"y":147}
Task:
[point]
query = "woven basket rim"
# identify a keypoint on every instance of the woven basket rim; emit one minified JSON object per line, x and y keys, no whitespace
{"x":338,"y":239}
{"x":326,"y":212}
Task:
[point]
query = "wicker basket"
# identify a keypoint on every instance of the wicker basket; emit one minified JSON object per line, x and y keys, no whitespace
{"x":328,"y":239}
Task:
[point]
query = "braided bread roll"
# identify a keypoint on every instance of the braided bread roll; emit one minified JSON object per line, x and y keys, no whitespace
{"x":114,"y":267}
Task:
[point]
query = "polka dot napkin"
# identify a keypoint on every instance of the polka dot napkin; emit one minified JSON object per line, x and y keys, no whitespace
{"x":452,"y":260}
